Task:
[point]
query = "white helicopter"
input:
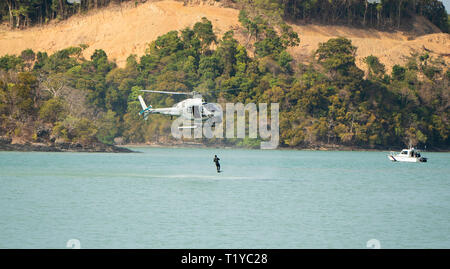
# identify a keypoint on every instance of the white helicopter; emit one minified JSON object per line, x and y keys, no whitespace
{"x":190,"y":109}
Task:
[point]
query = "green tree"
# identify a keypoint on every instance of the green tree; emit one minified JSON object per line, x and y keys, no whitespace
{"x":375,"y":67}
{"x":204,"y":32}
{"x":53,"y":110}
{"x":108,"y":128}
{"x":398,"y":72}
{"x":336,"y":54}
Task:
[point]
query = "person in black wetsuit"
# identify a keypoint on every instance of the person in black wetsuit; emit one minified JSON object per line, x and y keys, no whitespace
{"x":216,"y":160}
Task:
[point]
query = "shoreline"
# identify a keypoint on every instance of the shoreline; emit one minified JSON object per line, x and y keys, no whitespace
{"x":128,"y":147}
{"x":63,"y":147}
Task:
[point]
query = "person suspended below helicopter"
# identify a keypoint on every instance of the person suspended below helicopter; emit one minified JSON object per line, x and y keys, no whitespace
{"x":216,"y":160}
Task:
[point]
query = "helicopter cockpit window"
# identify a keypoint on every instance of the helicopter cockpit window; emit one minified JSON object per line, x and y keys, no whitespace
{"x":196,"y":112}
{"x":212,"y":107}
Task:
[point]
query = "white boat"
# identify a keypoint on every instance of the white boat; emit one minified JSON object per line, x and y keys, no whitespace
{"x":407,"y":155}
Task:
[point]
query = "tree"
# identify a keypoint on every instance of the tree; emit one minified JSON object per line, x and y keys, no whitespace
{"x":226,"y":52}
{"x":284,"y":60}
{"x":270,"y":45}
{"x":205,"y":34}
{"x":11,"y":62}
{"x":71,"y":129}
{"x":336,"y":55}
{"x":375,"y":67}
{"x":398,"y":72}
{"x":54,"y":84}
{"x":166,"y":45}
{"x":108,"y":127}
{"x":28,"y":56}
{"x":53,"y":110}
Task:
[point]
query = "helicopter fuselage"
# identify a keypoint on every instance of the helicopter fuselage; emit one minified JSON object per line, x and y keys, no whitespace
{"x":190,"y":109}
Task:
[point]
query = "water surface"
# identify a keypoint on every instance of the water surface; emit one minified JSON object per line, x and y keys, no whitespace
{"x":173,"y":198}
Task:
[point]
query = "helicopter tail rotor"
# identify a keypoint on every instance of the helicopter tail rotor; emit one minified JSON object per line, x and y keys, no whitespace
{"x":145,"y":108}
{"x":141,"y":100}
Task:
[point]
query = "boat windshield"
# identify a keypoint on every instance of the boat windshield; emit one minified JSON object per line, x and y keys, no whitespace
{"x":404,"y":152}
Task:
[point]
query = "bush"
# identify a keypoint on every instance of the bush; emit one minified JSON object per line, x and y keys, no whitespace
{"x":398,"y":72}
{"x":108,"y":128}
{"x":53,"y":110}
{"x":76,"y":130}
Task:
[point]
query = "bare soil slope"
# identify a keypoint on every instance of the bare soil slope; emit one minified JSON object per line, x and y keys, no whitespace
{"x":125,"y":30}
{"x":119,"y":31}
{"x":390,"y":47}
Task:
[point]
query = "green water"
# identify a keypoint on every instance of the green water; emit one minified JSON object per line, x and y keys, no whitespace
{"x":173,"y":198}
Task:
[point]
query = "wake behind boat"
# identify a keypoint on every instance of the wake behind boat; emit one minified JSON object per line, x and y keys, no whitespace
{"x":407,"y":155}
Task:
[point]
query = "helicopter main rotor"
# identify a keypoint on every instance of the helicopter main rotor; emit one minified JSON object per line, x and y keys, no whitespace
{"x":193,"y":93}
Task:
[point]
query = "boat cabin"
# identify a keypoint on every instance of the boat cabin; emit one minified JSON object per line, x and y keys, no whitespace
{"x":410,"y":153}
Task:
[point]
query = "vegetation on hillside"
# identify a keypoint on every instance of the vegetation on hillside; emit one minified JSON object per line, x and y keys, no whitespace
{"x":384,"y":14}
{"x":330,"y":101}
{"x":380,"y":14}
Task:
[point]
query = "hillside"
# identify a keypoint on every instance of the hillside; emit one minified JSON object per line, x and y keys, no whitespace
{"x":390,"y":47}
{"x":56,"y":98}
{"x":126,"y":29}
{"x":120,"y":31}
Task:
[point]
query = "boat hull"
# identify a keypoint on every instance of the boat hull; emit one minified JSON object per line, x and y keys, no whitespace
{"x":396,"y":158}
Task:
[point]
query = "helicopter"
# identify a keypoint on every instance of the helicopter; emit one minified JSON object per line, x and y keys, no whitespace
{"x":193,"y":108}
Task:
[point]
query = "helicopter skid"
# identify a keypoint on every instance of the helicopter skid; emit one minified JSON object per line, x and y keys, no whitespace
{"x":187,"y":127}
